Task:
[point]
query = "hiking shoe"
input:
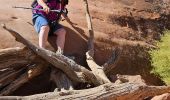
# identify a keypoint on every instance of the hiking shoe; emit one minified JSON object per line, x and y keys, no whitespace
{"x":70,"y":56}
{"x":59,"y":51}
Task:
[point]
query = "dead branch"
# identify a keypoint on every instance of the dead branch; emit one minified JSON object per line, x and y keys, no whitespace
{"x":96,"y":69}
{"x":61,"y":80}
{"x":14,"y":57}
{"x":8,"y":78}
{"x":17,"y":52}
{"x":108,"y":91}
{"x":32,"y":72}
{"x":90,"y":29}
{"x":112,"y":62}
{"x":13,"y":63}
{"x":112,"y":59}
{"x":5,"y":72}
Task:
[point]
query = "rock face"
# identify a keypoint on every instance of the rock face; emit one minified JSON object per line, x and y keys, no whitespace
{"x":132,"y":25}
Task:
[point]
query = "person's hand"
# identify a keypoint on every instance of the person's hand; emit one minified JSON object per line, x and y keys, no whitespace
{"x":46,"y":9}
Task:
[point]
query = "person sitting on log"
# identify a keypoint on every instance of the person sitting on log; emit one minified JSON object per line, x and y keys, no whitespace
{"x":46,"y":21}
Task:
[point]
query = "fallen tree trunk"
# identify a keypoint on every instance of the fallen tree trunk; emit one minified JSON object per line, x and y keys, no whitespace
{"x":14,"y":57}
{"x":8,"y":78}
{"x":32,"y":72}
{"x":73,"y":70}
{"x":108,"y":91}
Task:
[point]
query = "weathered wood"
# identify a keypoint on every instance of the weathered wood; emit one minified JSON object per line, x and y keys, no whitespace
{"x":108,"y":91}
{"x":112,"y":62}
{"x":12,"y":63}
{"x":90,"y":29}
{"x":96,"y":69}
{"x":10,"y":77}
{"x":23,"y":53}
{"x":15,"y":57}
{"x":9,"y":51}
{"x":32,"y":72}
{"x":112,"y":59}
{"x":73,"y":70}
{"x":5,"y":72}
{"x":61,"y":80}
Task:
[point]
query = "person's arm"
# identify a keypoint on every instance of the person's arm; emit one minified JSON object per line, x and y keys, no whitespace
{"x":44,"y":5}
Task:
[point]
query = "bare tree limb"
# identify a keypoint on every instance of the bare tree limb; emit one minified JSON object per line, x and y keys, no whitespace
{"x":61,"y":80}
{"x":13,"y":57}
{"x":32,"y":72}
{"x":112,"y":62}
{"x":10,"y":77}
{"x":108,"y":91}
{"x":96,"y":69}
{"x":90,"y":29}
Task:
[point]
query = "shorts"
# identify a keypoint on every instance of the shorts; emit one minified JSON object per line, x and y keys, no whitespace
{"x":40,"y":21}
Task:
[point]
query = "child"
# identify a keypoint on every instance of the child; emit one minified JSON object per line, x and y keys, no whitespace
{"x":46,"y":22}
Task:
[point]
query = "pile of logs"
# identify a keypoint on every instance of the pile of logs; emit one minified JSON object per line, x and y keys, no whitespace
{"x":19,"y":65}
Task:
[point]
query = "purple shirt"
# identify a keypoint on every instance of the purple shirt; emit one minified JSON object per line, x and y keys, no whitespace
{"x":53,"y":5}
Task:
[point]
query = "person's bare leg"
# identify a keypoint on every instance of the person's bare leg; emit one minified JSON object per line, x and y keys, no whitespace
{"x":43,"y":36}
{"x":60,"y":39}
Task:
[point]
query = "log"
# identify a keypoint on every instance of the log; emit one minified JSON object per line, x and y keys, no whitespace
{"x":23,"y":53}
{"x":97,"y":70}
{"x":73,"y":70}
{"x":61,"y":80}
{"x":108,"y":91}
{"x":10,"y":77}
{"x":14,"y":57}
{"x":5,"y":72}
{"x":112,"y":59}
{"x":12,"y":63}
{"x":32,"y":72}
{"x":112,"y":62}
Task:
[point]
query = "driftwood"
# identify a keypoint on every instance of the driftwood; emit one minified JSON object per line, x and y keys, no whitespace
{"x":112,"y":62}
{"x":33,"y":71}
{"x":14,"y":57}
{"x":125,"y":91}
{"x":61,"y":80}
{"x":90,"y":29}
{"x":9,"y":77}
{"x":73,"y":70}
{"x":12,"y":76}
{"x":96,"y":69}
